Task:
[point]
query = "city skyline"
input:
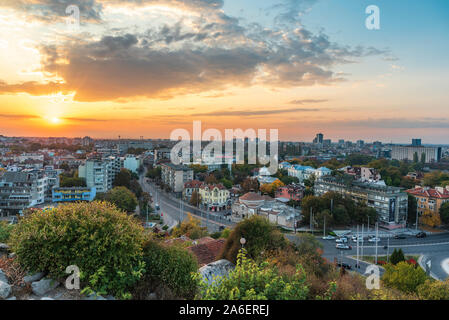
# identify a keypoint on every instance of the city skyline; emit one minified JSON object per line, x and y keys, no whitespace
{"x":149,"y":67}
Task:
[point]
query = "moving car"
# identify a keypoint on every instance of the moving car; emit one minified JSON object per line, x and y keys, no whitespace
{"x":374,"y":239}
{"x":421,"y":235}
{"x":400,"y":236}
{"x":341,"y":240}
{"x":343,"y":246}
{"x":328,"y":238}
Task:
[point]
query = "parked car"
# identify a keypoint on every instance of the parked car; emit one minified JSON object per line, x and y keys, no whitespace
{"x":344,"y":266}
{"x":341,"y":240}
{"x":329,"y":237}
{"x":343,"y":246}
{"x":421,"y":235}
{"x":400,"y":236}
{"x":157,"y":207}
{"x":374,"y":239}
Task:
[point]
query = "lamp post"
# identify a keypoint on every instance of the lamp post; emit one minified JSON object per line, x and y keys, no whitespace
{"x":242,"y":242}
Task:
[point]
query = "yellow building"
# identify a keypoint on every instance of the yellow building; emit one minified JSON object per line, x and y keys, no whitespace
{"x":215,"y":197}
{"x":430,"y":199}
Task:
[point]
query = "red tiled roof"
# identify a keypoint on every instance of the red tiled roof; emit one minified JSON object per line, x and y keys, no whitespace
{"x":429,"y":193}
{"x":193,"y":184}
{"x":213,"y":186}
{"x":251,"y":196}
{"x":207,"y":250}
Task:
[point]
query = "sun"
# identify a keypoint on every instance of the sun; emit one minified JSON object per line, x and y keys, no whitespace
{"x":55,"y":120}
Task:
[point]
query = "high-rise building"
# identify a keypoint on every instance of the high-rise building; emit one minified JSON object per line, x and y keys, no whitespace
{"x":416,"y":153}
{"x":319,"y":138}
{"x":416,"y":142}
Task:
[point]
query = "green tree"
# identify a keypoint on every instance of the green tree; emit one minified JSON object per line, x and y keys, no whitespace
{"x":170,"y":266}
{"x":5,"y":231}
{"x":195,"y":199}
{"x":122,"y":198}
{"x":123,"y":179}
{"x":191,"y":228}
{"x":252,"y":281}
{"x":404,"y":276}
{"x":444,"y":213}
{"x":415,"y":157}
{"x":397,"y":256}
{"x":260,"y":235}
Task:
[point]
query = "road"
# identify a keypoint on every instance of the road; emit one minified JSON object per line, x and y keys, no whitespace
{"x":434,"y":247}
{"x":170,"y":207}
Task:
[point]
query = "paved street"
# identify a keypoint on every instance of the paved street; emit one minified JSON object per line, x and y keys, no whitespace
{"x":170,"y":207}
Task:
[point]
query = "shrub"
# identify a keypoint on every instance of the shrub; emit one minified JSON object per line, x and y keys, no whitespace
{"x":260,"y":235}
{"x":404,"y":276}
{"x":101,"y":240}
{"x":250,"y":281}
{"x":397,"y":256}
{"x":5,"y":231}
{"x":190,"y":228}
{"x":171,"y":266}
{"x":434,"y":290}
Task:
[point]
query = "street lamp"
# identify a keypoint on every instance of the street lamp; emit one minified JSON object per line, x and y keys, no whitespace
{"x":242,"y":242}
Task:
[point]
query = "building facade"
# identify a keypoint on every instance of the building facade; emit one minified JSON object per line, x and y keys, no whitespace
{"x":429,"y":198}
{"x":175,"y":176}
{"x":215,"y":197}
{"x":390,"y":203}
{"x":432,"y":154}
{"x":73,"y":194}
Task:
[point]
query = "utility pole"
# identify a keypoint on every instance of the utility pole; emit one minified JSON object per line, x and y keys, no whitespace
{"x":362,"y":239}
{"x":416,"y":226}
{"x":368,"y":224}
{"x":388,"y":250}
{"x":324,"y":229}
{"x":358,"y":239}
{"x":377,"y":234}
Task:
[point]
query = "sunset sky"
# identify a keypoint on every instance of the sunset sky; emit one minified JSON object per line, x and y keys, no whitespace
{"x":146,"y":67}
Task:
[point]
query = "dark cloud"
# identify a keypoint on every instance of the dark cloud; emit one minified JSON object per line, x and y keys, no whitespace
{"x":214,"y":55}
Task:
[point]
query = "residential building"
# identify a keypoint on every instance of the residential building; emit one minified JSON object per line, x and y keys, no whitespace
{"x":429,"y":198}
{"x":52,"y":175}
{"x":305,"y":172}
{"x":363,"y":173}
{"x":98,"y":174}
{"x":391,"y":203}
{"x":175,"y":176}
{"x":275,"y":211}
{"x":431,"y":154}
{"x":189,"y":188}
{"x":132,"y":163}
{"x":21,"y":190}
{"x":215,"y":196}
{"x":73,"y":194}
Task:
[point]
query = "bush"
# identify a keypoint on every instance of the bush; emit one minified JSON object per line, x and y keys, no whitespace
{"x":190,"y":228}
{"x":5,"y":231}
{"x":397,"y":256}
{"x":171,"y":266}
{"x":403,"y":276}
{"x":250,"y":281}
{"x":260,"y":235}
{"x":102,"y":241}
{"x":434,"y":290}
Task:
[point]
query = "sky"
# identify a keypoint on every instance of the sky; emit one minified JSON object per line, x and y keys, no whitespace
{"x":147,"y":67}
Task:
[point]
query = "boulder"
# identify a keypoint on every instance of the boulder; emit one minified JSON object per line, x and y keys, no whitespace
{"x":94,"y":296}
{"x":41,"y":287}
{"x":12,"y":298}
{"x":47,"y":298}
{"x":152,"y":296}
{"x":4,"y":247}
{"x":5,"y":290}
{"x":3,"y":277}
{"x":220,"y":268}
{"x":33,"y":277}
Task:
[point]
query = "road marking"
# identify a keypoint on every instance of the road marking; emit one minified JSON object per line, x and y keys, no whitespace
{"x":445,"y":265}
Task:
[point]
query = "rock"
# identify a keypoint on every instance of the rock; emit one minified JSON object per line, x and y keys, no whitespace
{"x":3,"y":277}
{"x":4,"y":247}
{"x":34,"y":277}
{"x":47,"y":298}
{"x":43,"y":286}
{"x":110,"y":297}
{"x":152,"y":296}
{"x":12,"y":298}
{"x":94,"y":296}
{"x":12,"y":255}
{"x":218,"y":268}
{"x":5,"y":290}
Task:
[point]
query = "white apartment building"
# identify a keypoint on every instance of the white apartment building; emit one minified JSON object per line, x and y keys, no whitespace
{"x":432,"y":154}
{"x":132,"y":163}
{"x":21,"y":190}
{"x":305,"y":172}
{"x":175,"y":176}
